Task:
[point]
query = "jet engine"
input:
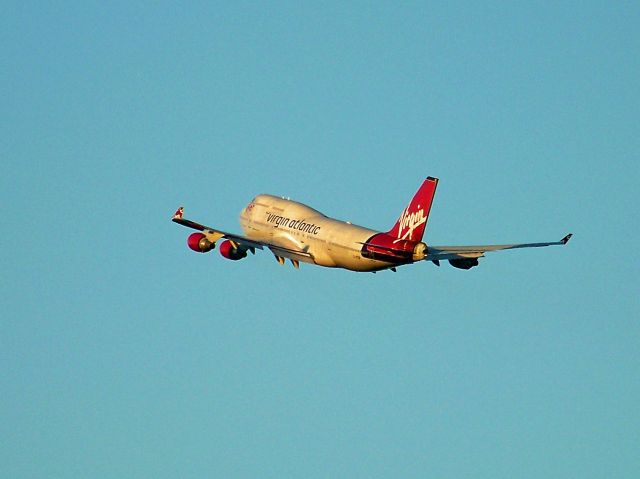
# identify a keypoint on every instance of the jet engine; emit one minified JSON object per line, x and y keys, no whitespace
{"x":419,"y":251}
{"x":229,"y":251}
{"x":199,"y":243}
{"x":466,"y":263}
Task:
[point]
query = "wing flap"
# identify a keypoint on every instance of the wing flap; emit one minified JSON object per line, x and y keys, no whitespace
{"x":291,"y":253}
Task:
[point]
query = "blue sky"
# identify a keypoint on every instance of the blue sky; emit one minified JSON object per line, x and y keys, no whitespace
{"x":124,"y":354}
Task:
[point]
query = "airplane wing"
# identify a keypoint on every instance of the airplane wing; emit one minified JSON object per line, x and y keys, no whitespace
{"x":213,"y":234}
{"x":468,"y":255}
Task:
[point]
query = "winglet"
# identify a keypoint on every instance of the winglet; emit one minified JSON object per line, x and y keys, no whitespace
{"x":566,"y":239}
{"x":178,"y":214}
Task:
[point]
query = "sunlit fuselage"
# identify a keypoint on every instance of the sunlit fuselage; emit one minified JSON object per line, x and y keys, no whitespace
{"x":292,"y":225}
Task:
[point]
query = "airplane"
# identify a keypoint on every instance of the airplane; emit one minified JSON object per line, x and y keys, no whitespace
{"x":294,"y":231}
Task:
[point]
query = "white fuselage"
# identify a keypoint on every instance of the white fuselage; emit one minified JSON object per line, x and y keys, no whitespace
{"x":294,"y":226}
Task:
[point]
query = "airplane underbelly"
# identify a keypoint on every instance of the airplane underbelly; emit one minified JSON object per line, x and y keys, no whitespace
{"x":345,"y":250}
{"x":365,"y":264}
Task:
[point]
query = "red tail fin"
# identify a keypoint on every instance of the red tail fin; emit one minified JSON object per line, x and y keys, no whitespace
{"x":412,"y":221}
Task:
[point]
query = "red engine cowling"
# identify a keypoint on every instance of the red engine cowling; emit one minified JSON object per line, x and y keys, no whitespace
{"x":199,"y":243}
{"x":230,"y":252}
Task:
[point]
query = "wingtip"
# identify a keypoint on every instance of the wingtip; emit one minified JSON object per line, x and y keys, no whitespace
{"x":178,"y":214}
{"x":566,"y":239}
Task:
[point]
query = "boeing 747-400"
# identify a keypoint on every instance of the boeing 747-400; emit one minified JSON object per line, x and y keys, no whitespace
{"x":296,"y":232}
